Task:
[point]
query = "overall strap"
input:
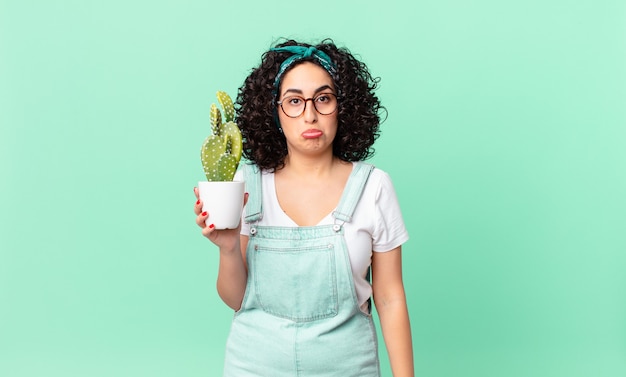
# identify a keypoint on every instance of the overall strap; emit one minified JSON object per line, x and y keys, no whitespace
{"x":352,"y":193}
{"x":351,"y":196}
{"x":254,"y":206}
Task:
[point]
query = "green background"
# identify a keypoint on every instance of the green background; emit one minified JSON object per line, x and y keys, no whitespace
{"x":505,"y":140}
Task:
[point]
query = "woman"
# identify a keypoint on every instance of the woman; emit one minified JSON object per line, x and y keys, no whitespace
{"x":316,"y":222}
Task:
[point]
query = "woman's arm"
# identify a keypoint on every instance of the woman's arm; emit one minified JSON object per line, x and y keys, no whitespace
{"x":232,"y":274}
{"x":390,"y":301}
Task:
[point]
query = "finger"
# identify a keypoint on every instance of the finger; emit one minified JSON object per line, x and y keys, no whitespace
{"x":196,"y":192}
{"x":197,"y":208}
{"x":201,"y":219}
{"x":245,"y":198}
{"x":208,"y":230}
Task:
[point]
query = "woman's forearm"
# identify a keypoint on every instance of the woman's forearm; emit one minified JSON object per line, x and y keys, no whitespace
{"x":396,"y":329}
{"x":231,"y":278}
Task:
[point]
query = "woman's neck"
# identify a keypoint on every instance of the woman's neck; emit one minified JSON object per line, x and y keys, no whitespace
{"x":299,"y":165}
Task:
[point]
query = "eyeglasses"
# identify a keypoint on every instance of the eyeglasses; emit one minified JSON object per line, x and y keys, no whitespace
{"x":294,"y":106}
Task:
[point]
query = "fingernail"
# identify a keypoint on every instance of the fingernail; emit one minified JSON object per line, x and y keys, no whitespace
{"x":203,"y":213}
{"x":198,"y":202}
{"x":212,"y":226}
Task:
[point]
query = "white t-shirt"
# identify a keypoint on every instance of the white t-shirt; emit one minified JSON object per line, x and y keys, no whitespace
{"x":376,"y":225}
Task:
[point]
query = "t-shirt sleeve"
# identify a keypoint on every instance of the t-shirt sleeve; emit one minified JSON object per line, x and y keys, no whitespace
{"x":245,"y":228}
{"x":389,"y":228}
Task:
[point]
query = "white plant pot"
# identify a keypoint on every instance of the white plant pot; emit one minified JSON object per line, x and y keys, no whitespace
{"x":223,"y":201}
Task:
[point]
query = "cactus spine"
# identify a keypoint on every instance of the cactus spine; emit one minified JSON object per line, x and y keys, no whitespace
{"x":221,"y":151}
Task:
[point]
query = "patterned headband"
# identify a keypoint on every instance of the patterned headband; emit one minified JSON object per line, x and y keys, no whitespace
{"x":299,"y":53}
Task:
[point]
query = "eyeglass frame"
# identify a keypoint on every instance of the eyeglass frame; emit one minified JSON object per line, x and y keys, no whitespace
{"x":306,"y":100}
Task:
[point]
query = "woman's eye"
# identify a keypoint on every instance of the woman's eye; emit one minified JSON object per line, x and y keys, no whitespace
{"x":294,"y":101}
{"x":323,"y":98}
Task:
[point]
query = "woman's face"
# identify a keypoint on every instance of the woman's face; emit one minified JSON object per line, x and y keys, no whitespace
{"x":308,"y":85}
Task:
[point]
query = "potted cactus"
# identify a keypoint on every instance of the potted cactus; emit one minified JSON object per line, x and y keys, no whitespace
{"x":220,"y":154}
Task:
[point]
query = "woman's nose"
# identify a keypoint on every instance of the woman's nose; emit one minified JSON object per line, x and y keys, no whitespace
{"x":310,"y":113}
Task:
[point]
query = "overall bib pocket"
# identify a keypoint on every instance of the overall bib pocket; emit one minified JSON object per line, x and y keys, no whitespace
{"x":299,"y":283}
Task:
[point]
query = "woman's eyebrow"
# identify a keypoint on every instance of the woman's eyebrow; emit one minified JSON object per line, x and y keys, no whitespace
{"x":298,"y":91}
{"x":323,"y":87}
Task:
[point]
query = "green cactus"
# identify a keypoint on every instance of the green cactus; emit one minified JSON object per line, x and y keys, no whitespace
{"x":221,"y":151}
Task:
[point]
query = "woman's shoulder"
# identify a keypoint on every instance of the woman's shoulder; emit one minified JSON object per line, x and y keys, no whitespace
{"x":247,"y":168}
{"x":379,"y":185}
{"x":377,"y":174}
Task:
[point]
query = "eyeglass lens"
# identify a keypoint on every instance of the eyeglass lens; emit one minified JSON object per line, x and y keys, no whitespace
{"x":294,"y":106}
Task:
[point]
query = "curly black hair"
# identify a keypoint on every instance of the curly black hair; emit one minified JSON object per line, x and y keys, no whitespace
{"x":358,"y":108}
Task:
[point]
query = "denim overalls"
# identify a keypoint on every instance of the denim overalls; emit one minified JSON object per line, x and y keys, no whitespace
{"x":300,"y":315}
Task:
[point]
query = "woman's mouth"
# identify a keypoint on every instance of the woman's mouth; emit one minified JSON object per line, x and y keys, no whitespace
{"x":312,"y":133}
